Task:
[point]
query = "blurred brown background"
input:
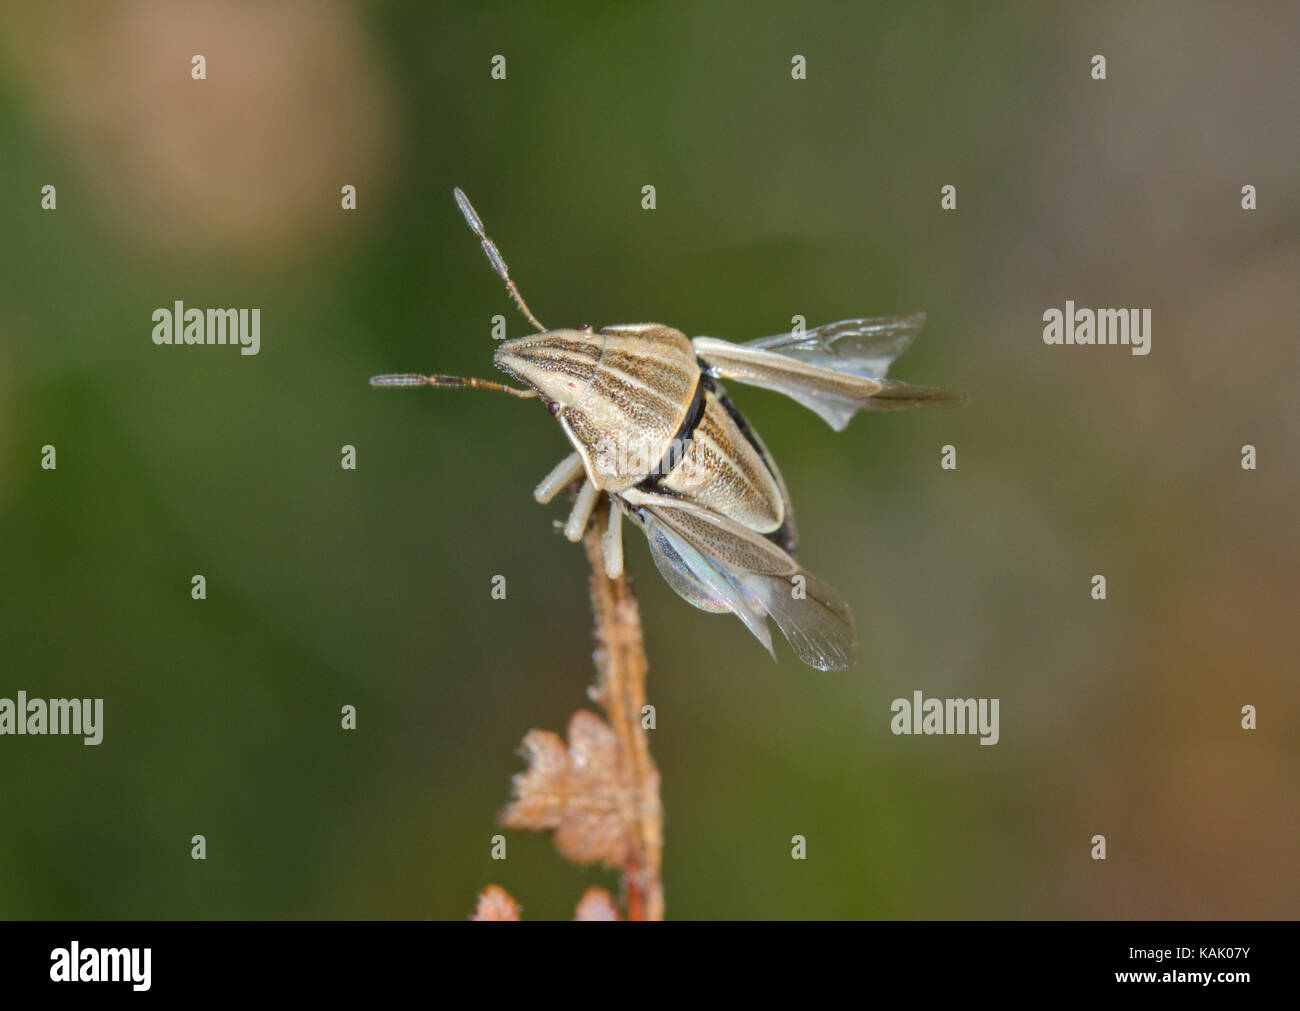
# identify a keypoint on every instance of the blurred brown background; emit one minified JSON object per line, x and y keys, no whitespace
{"x":775,"y":197}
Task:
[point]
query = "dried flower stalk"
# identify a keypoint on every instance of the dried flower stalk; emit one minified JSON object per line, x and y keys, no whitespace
{"x":620,"y":689}
{"x":599,"y":794}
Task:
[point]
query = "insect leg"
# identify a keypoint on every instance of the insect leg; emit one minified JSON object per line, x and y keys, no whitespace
{"x":586,"y":502}
{"x":562,"y":474}
{"x":612,"y":542}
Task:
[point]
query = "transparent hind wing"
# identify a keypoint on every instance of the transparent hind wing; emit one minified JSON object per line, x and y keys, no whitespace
{"x":834,"y":394}
{"x":678,"y":574}
{"x":835,"y":370}
{"x":699,"y":581}
{"x":755,"y":578}
{"x":865,"y":347}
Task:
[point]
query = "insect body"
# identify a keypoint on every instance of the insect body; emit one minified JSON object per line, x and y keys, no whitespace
{"x":653,"y":430}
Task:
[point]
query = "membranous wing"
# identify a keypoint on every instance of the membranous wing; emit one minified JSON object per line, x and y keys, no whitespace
{"x":719,"y":565}
{"x":836,"y":370}
{"x":865,"y":347}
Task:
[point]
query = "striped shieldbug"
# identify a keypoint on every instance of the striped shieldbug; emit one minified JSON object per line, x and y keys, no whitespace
{"x":653,"y":430}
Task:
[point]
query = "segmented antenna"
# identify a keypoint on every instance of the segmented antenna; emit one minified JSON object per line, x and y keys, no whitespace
{"x":493,"y":255}
{"x":415,"y":379}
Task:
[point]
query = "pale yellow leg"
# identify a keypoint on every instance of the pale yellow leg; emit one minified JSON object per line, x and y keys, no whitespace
{"x":586,"y":502}
{"x":562,"y":474}
{"x":612,"y":542}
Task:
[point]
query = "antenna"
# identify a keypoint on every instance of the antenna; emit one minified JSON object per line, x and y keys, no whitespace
{"x":414,"y":379}
{"x":494,"y":255}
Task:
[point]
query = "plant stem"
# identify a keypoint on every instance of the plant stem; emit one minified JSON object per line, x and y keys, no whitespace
{"x":620,"y":689}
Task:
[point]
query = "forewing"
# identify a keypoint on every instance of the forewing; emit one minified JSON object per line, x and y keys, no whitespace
{"x":835,"y":370}
{"x":788,"y":534}
{"x":835,"y":395}
{"x":764,"y":579}
{"x":817,"y":624}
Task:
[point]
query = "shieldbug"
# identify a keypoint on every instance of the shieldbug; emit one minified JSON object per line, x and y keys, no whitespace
{"x":653,"y":430}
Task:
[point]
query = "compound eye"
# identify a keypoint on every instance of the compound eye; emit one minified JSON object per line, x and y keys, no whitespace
{"x":585,"y":326}
{"x":554,"y":407}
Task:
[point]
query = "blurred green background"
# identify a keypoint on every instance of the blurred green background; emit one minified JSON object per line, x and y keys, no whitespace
{"x":775,"y":198}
